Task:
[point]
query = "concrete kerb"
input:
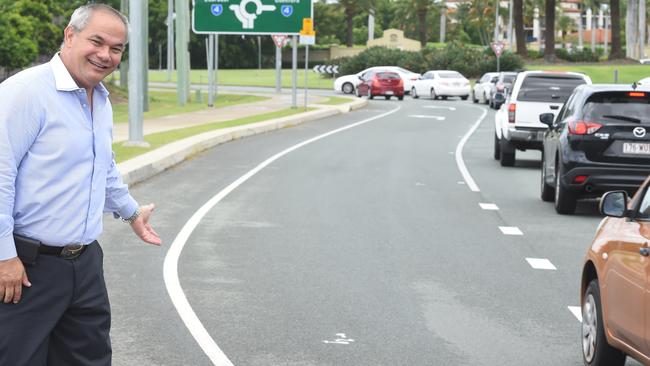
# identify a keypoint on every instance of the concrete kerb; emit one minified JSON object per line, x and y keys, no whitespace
{"x":151,"y":163}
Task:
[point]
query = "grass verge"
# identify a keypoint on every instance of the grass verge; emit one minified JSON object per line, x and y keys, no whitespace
{"x":337,"y":101}
{"x":156,"y":140}
{"x":602,"y":74}
{"x":165,"y":103}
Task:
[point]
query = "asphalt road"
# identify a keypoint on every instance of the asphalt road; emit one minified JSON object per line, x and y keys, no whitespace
{"x":366,"y":246}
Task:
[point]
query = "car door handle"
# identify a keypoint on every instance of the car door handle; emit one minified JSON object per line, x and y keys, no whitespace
{"x":644,"y":251}
{"x":554,"y":107}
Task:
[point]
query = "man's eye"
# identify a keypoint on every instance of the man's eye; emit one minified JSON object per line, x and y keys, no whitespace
{"x":95,"y":42}
{"x":116,"y":50}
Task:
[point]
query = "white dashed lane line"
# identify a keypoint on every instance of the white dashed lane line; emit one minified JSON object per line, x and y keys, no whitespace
{"x":575,"y":310}
{"x":489,"y":206}
{"x":541,"y":263}
{"x":510,"y":230}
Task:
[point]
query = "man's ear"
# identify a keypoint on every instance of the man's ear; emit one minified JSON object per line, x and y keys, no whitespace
{"x":68,"y":33}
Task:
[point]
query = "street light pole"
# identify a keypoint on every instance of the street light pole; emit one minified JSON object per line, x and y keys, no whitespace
{"x":496,"y":23}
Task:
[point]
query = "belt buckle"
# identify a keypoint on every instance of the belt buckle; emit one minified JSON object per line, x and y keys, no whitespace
{"x":71,"y":251}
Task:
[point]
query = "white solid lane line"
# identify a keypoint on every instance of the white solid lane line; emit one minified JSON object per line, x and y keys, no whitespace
{"x":439,"y":107}
{"x":170,"y":266}
{"x":459,"y":155}
{"x":439,"y":118}
{"x":576,"y":311}
{"x":510,"y":230}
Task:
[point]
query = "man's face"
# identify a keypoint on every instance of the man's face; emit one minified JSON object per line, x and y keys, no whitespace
{"x":95,"y":52}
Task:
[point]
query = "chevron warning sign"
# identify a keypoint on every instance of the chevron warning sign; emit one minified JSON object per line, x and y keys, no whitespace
{"x":326,"y":69}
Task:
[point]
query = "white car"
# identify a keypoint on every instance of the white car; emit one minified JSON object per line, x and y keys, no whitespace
{"x":348,"y":83}
{"x":481,"y":90}
{"x":441,"y":84}
{"x":516,"y":123}
{"x":644,"y":81}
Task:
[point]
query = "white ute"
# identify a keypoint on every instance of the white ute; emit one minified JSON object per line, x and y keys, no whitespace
{"x":517,"y":125}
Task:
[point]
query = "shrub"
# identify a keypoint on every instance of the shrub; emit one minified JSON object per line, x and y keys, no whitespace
{"x":584,"y":55}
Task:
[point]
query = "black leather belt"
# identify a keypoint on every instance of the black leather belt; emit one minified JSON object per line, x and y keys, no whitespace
{"x":28,"y":249}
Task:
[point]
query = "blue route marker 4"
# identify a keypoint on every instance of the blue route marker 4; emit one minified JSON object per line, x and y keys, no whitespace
{"x":287,"y":10}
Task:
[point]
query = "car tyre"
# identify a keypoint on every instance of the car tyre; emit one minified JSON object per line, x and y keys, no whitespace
{"x":401,"y":97}
{"x":464,"y":97}
{"x":547,"y":192}
{"x":497,"y":147}
{"x":434,"y":96}
{"x":507,"y":155}
{"x":414,"y":94}
{"x":370,"y":96}
{"x":387,"y":97}
{"x":474,"y":97}
{"x":486,"y":100}
{"x":565,"y":201}
{"x":444,"y":97}
{"x":347,"y":88}
{"x":595,"y":349}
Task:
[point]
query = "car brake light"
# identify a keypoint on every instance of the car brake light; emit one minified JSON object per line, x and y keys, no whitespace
{"x":580,"y":179}
{"x":583,"y":127}
{"x":512,"y":108}
{"x":636,"y":94}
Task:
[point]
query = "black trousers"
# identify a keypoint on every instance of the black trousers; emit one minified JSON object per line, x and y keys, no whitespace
{"x":64,"y":319}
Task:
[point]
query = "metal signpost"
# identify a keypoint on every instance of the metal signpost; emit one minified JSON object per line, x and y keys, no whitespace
{"x":280,"y":40}
{"x":252,"y":17}
{"x":307,"y":37}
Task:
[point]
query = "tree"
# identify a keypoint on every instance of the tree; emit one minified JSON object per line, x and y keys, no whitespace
{"x":421,"y":8}
{"x":549,"y":34}
{"x":518,"y":13}
{"x":17,"y":47}
{"x":350,"y":8}
{"x":565,"y":24}
{"x":615,"y":12}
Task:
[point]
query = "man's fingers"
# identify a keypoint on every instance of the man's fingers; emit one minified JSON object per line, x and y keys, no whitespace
{"x":18,"y":293}
{"x":9,"y":294}
{"x":26,"y":280}
{"x":151,"y":230}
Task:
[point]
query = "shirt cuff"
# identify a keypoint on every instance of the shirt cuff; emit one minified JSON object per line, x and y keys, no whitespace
{"x":7,"y":248}
{"x":127,"y":210}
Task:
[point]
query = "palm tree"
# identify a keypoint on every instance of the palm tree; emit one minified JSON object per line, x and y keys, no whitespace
{"x":350,"y":8}
{"x":549,"y":33}
{"x":565,"y":24}
{"x":615,"y":12}
{"x":518,"y":13}
{"x":422,"y":8}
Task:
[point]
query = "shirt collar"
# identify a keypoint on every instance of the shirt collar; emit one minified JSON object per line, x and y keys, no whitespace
{"x":63,"y":79}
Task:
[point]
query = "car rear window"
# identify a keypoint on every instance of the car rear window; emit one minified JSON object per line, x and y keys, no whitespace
{"x":548,"y":88}
{"x":387,"y":75}
{"x":509,"y":79}
{"x":450,"y":75}
{"x":618,"y":107}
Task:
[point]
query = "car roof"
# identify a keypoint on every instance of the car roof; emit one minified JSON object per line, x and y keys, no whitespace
{"x":551,"y":72}
{"x":594,"y":88}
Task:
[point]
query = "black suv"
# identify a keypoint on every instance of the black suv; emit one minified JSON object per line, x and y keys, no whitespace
{"x":599,"y":141}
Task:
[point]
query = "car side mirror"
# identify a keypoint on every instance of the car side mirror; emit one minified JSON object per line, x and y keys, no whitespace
{"x":614,"y":204}
{"x":360,"y":77}
{"x":547,"y":118}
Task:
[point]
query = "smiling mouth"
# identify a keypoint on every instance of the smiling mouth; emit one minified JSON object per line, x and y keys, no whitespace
{"x":100,"y":66}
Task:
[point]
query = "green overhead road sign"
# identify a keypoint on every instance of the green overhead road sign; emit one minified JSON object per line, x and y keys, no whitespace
{"x":250,"y":16}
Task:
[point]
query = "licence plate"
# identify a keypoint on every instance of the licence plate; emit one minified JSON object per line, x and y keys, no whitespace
{"x":389,"y":92}
{"x":636,"y":148}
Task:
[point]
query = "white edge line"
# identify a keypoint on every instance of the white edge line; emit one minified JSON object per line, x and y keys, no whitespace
{"x":170,"y":265}
{"x":459,"y":155}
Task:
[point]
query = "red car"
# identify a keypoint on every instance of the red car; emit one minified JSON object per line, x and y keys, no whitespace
{"x":386,"y":83}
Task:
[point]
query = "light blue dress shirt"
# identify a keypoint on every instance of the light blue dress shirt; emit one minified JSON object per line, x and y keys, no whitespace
{"x":57,"y":170}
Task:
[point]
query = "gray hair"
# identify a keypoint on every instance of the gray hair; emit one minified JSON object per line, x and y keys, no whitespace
{"x":81,"y":16}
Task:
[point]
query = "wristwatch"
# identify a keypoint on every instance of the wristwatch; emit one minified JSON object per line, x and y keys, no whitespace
{"x":133,"y":217}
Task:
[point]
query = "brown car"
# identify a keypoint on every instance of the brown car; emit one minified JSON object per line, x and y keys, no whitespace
{"x":615,"y":282}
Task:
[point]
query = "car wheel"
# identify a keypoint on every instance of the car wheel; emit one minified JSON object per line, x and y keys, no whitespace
{"x":507,"y":156}
{"x":547,"y":192}
{"x":565,"y":201}
{"x":486,"y":100}
{"x":387,"y":97}
{"x":370,"y":96}
{"x":414,"y":94}
{"x":400,"y":97}
{"x":347,"y":88}
{"x":444,"y":97}
{"x":595,"y":349}
{"x":474,"y":97}
{"x":434,"y":96}
{"x":497,"y":147}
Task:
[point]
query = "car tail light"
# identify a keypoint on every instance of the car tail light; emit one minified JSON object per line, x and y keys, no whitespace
{"x":583,"y":127}
{"x":636,"y":94}
{"x":579,"y":179}
{"x":375,"y":82}
{"x":400,"y":83}
{"x":512,"y":108}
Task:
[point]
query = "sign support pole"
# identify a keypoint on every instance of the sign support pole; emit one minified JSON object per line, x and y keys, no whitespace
{"x":306,"y":68}
{"x":210,"y":44}
{"x":216,"y":67}
{"x":278,"y":69}
{"x":294,"y":72}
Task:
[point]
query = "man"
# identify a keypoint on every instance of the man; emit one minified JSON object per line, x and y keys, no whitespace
{"x":57,"y":177}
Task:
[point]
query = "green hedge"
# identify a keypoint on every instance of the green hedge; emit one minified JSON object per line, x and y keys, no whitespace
{"x":471,"y":61}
